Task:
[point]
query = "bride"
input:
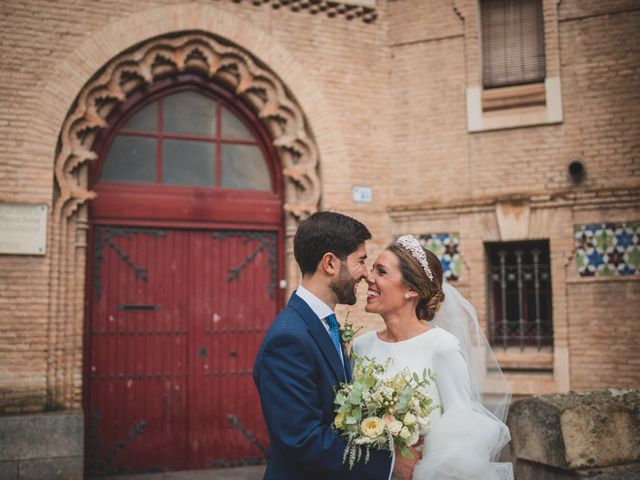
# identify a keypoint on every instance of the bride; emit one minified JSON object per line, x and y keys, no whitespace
{"x":428,"y":324}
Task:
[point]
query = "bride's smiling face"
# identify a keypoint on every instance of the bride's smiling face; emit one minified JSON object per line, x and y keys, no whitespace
{"x":386,"y":285}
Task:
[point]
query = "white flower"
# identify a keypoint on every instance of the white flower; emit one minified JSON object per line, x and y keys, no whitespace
{"x":372,"y":427}
{"x":394,"y":427}
{"x":413,"y":439}
{"x":409,"y":419}
{"x":377,"y":397}
{"x":405,"y":433}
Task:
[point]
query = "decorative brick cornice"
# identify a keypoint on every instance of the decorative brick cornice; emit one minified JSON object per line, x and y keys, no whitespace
{"x":623,"y":197}
{"x":331,"y":9}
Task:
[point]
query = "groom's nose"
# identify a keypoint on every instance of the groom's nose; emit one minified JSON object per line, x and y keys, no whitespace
{"x":367,"y":276}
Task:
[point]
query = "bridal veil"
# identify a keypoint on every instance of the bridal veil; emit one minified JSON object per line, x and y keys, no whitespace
{"x":466,"y":441}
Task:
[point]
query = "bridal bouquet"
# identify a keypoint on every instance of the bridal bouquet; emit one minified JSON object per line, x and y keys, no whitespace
{"x":381,"y":411}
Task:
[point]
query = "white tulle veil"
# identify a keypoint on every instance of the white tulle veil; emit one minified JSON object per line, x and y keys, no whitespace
{"x":490,"y":393}
{"x":489,"y":388}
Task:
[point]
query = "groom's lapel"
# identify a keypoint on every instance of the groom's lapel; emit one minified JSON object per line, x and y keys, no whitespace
{"x":319,"y":334}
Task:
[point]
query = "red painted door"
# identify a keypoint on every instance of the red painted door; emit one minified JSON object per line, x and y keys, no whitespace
{"x":235,"y":288}
{"x":176,"y":320}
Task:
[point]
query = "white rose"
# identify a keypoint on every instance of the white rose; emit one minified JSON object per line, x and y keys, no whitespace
{"x":405,"y":433}
{"x":409,"y":419}
{"x":372,"y":427}
{"x":413,"y":439}
{"x":394,"y":427}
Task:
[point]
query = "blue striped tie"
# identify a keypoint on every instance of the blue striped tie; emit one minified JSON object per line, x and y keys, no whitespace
{"x":334,"y":331}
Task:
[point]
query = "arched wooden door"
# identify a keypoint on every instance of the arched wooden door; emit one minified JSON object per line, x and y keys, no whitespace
{"x":186,"y":235}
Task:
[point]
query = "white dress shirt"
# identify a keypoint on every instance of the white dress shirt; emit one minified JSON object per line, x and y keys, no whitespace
{"x":320,"y":308}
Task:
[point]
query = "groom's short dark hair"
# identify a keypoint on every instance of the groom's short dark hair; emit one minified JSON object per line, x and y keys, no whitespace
{"x":326,"y":232}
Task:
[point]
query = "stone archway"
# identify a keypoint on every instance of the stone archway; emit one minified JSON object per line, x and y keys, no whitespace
{"x":197,"y":52}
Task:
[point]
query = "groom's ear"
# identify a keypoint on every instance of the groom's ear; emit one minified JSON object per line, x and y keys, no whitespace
{"x":329,"y":264}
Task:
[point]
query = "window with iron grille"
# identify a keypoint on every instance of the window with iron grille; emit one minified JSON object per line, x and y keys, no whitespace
{"x":512,"y":42}
{"x":519,"y":294}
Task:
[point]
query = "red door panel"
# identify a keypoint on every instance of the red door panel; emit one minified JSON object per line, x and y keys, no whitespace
{"x":235,"y":281}
{"x":138,"y":351}
{"x":176,"y":320}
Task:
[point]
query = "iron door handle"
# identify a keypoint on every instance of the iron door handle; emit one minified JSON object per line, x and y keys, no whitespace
{"x":203,"y":352}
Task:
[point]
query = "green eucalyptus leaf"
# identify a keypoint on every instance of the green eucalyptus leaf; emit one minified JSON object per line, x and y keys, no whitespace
{"x":357,"y":413}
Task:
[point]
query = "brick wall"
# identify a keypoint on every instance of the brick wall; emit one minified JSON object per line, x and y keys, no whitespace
{"x":386,"y":104}
{"x":53,"y":49}
{"x":23,"y":333}
{"x":447,"y":180}
{"x":428,"y":123}
{"x":437,"y":161}
{"x":603,"y":334}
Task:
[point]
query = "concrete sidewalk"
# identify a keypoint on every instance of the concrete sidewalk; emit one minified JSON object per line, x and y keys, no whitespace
{"x":236,"y":473}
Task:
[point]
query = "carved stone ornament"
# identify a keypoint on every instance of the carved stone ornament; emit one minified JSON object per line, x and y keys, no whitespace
{"x":214,"y":59}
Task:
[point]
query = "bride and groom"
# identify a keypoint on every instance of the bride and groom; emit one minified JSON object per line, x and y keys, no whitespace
{"x":428,"y":324}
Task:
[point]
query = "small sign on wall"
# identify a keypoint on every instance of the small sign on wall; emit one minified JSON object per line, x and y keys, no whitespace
{"x":361,"y":194}
{"x":23,"y":229}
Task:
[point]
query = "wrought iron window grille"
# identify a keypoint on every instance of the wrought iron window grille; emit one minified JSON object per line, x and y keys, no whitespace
{"x":520,"y":307}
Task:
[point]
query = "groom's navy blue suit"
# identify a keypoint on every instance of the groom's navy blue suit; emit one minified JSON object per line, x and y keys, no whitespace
{"x":296,"y":371}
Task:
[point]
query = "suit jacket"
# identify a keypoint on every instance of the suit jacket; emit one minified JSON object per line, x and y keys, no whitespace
{"x":296,"y":372}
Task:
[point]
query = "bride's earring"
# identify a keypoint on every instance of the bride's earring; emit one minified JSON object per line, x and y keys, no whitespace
{"x":407,"y":296}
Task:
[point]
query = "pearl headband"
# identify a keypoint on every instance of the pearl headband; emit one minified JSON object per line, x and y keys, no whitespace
{"x":412,"y":245}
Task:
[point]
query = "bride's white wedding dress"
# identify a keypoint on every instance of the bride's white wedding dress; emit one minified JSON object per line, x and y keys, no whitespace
{"x":464,"y":440}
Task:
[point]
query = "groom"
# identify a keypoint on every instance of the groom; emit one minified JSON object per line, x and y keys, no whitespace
{"x":301,"y":359}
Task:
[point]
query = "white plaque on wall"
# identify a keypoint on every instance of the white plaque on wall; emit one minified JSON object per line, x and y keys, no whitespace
{"x":23,"y":229}
{"x":362,"y":194}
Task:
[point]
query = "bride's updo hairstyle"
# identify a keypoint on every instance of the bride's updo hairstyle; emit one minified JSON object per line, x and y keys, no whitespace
{"x":430,"y":293}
